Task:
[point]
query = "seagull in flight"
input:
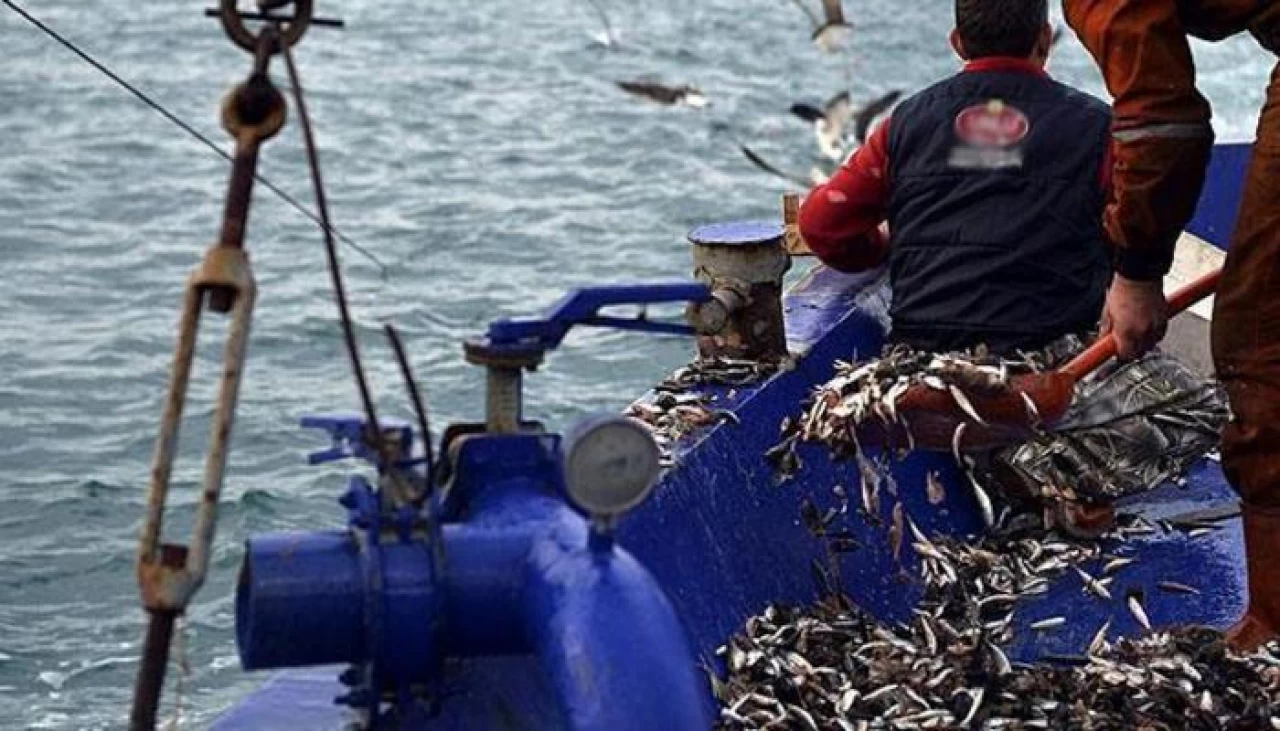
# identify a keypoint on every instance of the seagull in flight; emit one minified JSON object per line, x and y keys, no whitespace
{"x":831,"y":123}
{"x":815,"y":177}
{"x":669,"y":95}
{"x":831,"y":30}
{"x":608,"y":37}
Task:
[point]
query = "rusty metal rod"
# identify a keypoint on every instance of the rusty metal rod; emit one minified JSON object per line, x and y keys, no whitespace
{"x":155,"y":660}
{"x":235,"y":218}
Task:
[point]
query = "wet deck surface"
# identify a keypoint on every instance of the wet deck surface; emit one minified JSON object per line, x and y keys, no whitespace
{"x":1213,"y":563}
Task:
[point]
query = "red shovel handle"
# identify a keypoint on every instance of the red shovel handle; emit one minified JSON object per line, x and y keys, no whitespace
{"x":1105,"y":349}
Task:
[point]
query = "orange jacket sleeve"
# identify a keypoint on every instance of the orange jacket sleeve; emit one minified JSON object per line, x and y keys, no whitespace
{"x":1162,"y":137}
{"x":841,"y":219}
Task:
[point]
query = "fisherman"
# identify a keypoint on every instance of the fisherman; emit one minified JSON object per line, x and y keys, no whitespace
{"x":1162,"y":143}
{"x":993,"y":185}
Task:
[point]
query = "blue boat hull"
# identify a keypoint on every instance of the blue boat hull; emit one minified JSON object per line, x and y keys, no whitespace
{"x":724,"y":538}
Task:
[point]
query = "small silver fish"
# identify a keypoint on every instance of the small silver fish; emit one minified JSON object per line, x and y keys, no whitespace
{"x":870,"y":486}
{"x":966,"y":405}
{"x":930,"y":639}
{"x":897,"y":531}
{"x":879,"y":693}
{"x":1050,"y":623}
{"x":1140,"y":614}
{"x":1099,"y":641}
{"x":1093,"y":585}
{"x":956,"y":439}
{"x":1115,"y":564}
{"x":803,"y":715}
{"x":1003,"y":666}
{"x":976,"y":695}
{"x":984,"y":501}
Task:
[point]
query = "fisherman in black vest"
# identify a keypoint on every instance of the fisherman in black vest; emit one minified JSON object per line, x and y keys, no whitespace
{"x":993,"y":184}
{"x":985,"y":195}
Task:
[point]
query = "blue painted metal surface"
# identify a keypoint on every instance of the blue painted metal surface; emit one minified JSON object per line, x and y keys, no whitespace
{"x":347,"y":432}
{"x":723,"y":538}
{"x":582,"y":306}
{"x":1215,"y":218}
{"x":522,"y":579}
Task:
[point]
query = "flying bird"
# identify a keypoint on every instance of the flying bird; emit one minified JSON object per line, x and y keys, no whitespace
{"x":816,"y":175}
{"x":831,"y":30}
{"x":608,"y":37}
{"x":669,"y":95}
{"x":867,"y":116}
{"x":831,"y":123}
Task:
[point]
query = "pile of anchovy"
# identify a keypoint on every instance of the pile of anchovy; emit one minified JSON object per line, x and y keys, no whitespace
{"x":680,"y":406}
{"x":834,"y":667}
{"x":719,"y":371}
{"x":862,"y":391}
{"x":674,"y":415}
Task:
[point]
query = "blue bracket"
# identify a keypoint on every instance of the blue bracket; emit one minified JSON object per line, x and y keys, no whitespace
{"x":348,"y":434}
{"x":581,"y":307}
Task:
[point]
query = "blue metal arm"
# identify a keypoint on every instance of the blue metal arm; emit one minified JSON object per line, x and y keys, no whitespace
{"x":581,"y":307}
{"x":348,"y":434}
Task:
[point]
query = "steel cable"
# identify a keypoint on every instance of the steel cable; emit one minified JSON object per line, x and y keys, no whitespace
{"x":193,"y":132}
{"x":373,"y":431}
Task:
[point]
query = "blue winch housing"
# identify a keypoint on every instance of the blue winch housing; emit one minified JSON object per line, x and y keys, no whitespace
{"x":493,"y":603}
{"x":512,"y":573}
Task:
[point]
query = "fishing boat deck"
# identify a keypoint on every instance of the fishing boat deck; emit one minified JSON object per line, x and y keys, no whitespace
{"x":725,"y":541}
{"x":725,"y":538}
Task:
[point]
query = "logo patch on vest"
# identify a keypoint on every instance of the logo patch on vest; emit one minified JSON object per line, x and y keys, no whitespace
{"x":989,"y":136}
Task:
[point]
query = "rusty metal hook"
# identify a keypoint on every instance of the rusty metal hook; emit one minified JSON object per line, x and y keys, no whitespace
{"x":292,"y":27}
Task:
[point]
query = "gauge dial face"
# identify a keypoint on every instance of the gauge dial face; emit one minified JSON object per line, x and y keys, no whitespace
{"x":611,"y":464}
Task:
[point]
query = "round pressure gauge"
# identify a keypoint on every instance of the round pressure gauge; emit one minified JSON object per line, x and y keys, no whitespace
{"x":610,"y":464}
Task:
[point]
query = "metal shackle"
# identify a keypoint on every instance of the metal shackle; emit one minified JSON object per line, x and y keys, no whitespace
{"x":292,"y":27}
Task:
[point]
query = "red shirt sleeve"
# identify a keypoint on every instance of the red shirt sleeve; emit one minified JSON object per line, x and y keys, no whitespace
{"x":841,"y":219}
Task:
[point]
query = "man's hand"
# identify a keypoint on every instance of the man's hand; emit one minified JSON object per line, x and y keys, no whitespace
{"x":1138,"y":315}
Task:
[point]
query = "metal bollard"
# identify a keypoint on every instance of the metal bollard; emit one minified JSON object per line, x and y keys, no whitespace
{"x":744,"y":264}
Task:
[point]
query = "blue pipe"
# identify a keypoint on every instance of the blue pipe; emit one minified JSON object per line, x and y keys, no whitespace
{"x":299,"y":601}
{"x":521,"y":578}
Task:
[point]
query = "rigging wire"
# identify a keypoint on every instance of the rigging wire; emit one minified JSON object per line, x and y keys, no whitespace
{"x":193,"y":132}
{"x":419,"y":405}
{"x":374,"y":432}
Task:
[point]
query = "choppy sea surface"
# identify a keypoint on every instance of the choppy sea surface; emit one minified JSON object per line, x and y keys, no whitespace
{"x":480,"y":149}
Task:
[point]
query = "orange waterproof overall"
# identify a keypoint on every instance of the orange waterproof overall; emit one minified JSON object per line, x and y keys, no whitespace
{"x":1161,"y":141}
